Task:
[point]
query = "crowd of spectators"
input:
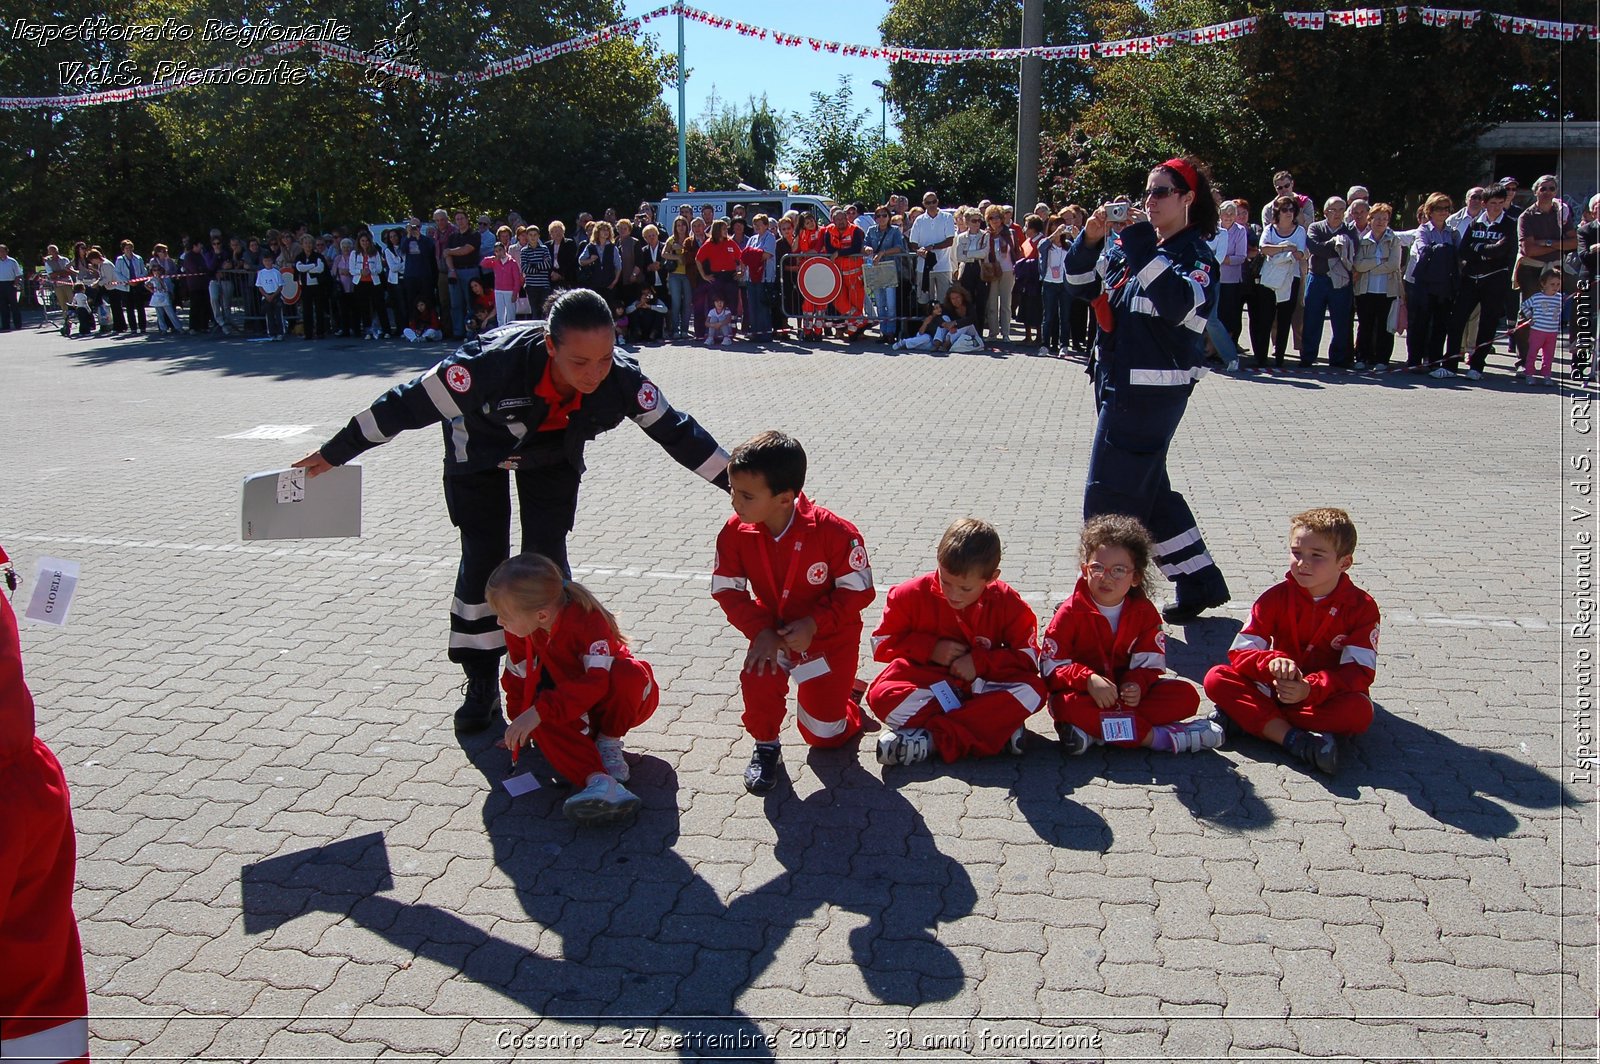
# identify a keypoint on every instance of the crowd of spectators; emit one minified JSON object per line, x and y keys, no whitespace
{"x":1453,"y":282}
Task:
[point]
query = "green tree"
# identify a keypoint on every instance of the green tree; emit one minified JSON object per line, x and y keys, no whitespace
{"x":729,"y":145}
{"x":837,"y":153}
{"x":1394,"y":107}
{"x":584,"y":131}
{"x":959,"y":122}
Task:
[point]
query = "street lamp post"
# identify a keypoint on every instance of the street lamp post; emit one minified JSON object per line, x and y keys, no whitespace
{"x":883,"y":122}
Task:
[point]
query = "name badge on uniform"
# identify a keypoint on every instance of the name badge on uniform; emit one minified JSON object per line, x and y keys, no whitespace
{"x":1117,"y":728}
{"x":948,"y":699}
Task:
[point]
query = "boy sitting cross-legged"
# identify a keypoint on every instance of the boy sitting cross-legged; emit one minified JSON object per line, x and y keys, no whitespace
{"x":1299,"y":672}
{"x":963,"y":671}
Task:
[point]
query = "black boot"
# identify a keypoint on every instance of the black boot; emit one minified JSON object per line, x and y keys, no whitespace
{"x":482,"y":702}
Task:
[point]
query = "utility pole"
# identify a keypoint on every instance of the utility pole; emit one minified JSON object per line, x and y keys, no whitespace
{"x":683,"y":128}
{"x":1029,"y":90}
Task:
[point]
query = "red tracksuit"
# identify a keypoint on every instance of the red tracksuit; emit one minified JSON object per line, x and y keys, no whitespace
{"x":1002,"y":633}
{"x":845,"y":244}
{"x":1079,"y":643}
{"x":819,"y":569}
{"x":43,"y":1004}
{"x":1335,"y":643}
{"x":583,"y":682}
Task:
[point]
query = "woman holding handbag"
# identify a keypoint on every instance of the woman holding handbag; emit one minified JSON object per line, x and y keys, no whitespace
{"x":366,"y":275}
{"x":1377,"y":269}
{"x":393,"y":294}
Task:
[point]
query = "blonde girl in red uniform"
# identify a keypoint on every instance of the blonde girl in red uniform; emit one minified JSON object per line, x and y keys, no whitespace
{"x":573,"y":688}
{"x":1104,"y":653}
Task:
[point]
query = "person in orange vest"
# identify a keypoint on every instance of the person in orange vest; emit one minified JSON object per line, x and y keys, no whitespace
{"x":42,"y":996}
{"x":844,"y":242}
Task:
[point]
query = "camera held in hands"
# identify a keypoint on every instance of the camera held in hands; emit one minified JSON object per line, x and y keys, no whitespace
{"x":1117,"y":212}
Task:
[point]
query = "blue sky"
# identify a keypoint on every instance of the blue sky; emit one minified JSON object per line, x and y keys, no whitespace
{"x":737,"y":67}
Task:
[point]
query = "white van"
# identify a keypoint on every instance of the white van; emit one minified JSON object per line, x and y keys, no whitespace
{"x":773,"y":204}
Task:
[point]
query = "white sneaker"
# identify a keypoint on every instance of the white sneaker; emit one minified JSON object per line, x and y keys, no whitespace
{"x":1441,"y":374}
{"x":1043,"y":352}
{"x":905,"y":747}
{"x":611,"y":757}
{"x":1014,"y":744}
{"x":1362,"y":367}
{"x":1195,"y":735}
{"x":603,"y":801}
{"x":1474,"y":375}
{"x":1231,"y":367}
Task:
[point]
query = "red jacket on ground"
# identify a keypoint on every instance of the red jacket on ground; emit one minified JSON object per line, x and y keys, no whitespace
{"x":1000,"y":628}
{"x":577,"y":653}
{"x":818,"y":568}
{"x":1078,"y":643}
{"x":1335,"y":641}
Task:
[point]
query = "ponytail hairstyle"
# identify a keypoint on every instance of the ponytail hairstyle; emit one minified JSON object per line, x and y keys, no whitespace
{"x":532,"y":582}
{"x":1189,"y":174}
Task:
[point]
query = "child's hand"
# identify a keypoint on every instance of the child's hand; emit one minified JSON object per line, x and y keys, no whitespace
{"x":1103,"y":691}
{"x":519,"y":733}
{"x":946,"y":651}
{"x":1292,"y":692}
{"x":1283,"y":669}
{"x":1130,"y":695}
{"x":763,"y":655}
{"x":964,"y":668}
{"x":797,"y":635}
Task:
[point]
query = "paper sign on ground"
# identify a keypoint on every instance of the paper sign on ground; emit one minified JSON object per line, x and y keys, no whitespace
{"x":521,"y":784}
{"x":52,"y":591}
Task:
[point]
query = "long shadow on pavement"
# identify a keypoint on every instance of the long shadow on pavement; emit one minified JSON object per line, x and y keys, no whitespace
{"x":1450,"y":781}
{"x":645,"y":938}
{"x":293,"y":359}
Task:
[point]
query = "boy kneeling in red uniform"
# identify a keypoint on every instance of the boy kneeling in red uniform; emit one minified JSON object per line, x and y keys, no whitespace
{"x":793,"y":578}
{"x":1299,"y":672}
{"x":963,"y":673}
{"x":572,"y":686}
{"x":1105,"y":653}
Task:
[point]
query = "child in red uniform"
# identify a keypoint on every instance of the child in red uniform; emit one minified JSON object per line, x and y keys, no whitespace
{"x":43,"y":1004}
{"x":1105,"y":653}
{"x":572,"y":685}
{"x":963,"y":673}
{"x":1299,"y":671}
{"x":793,"y":578}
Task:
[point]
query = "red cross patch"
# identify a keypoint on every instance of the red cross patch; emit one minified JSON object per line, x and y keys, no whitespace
{"x":817,"y":573}
{"x":648,"y":396}
{"x":458,"y":378}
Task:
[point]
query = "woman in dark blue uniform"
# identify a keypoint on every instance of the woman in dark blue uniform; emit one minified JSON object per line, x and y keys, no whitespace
{"x":1153,"y":288}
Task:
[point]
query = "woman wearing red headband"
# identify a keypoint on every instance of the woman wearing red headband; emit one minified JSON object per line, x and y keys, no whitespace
{"x":1152,"y":287}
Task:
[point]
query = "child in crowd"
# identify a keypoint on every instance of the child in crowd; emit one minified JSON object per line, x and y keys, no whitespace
{"x":1299,"y":671}
{"x":1542,"y":311}
{"x":573,"y":688}
{"x":506,"y":269}
{"x":646,"y":315}
{"x":719,"y":323}
{"x":269,"y":282}
{"x":963,"y":671}
{"x":1105,"y":653}
{"x":80,"y":310}
{"x":950,"y":326}
{"x":619,"y":317}
{"x":424,"y":324}
{"x":793,"y":578}
{"x":160,"y":286}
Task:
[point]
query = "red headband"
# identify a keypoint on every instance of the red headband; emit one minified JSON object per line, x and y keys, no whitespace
{"x":1185,"y":171}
